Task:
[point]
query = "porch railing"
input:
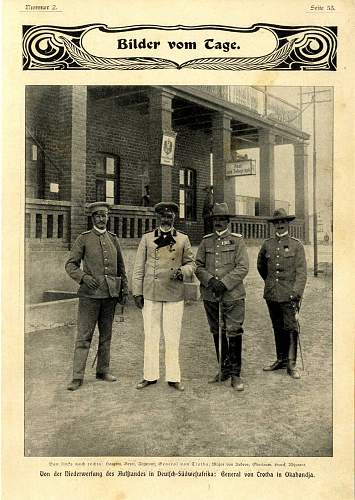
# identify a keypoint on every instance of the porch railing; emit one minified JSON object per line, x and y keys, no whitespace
{"x":259,"y":101}
{"x":47,"y":221}
{"x":258,"y":228}
{"x":130,"y":221}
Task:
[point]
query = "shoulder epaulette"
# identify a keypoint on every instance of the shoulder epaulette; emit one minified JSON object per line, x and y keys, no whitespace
{"x":113,"y":234}
{"x":86,"y":232}
{"x":182,"y":232}
{"x":149,"y":231}
{"x":293,"y":238}
{"x":237,"y":234}
{"x":208,"y":235}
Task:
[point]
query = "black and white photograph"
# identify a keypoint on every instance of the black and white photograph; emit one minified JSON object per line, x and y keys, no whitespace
{"x":176,"y":214}
{"x":178,"y":271}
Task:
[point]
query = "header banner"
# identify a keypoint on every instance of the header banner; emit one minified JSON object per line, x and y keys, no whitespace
{"x":207,"y":47}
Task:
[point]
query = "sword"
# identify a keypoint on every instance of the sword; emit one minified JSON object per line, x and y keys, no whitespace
{"x":95,"y":358}
{"x":220,"y":340}
{"x":297,"y":311}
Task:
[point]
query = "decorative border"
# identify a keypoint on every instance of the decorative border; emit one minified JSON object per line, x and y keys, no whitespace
{"x":298,"y":48}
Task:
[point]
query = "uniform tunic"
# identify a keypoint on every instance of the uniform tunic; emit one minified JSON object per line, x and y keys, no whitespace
{"x":101,"y":258}
{"x":224,"y":257}
{"x":156,"y":261}
{"x":155,"y":265}
{"x":282,"y":265}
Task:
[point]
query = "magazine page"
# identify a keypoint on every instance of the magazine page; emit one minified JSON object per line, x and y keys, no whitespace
{"x":177,"y":299}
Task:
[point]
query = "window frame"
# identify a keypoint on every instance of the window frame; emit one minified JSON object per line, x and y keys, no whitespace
{"x":188,"y":187}
{"x":107,"y":177}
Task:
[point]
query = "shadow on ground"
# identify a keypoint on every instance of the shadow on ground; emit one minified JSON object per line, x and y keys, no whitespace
{"x":274,"y":416}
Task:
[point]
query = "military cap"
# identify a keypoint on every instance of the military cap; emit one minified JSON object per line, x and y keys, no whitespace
{"x":220,"y":210}
{"x":166,"y":207}
{"x":281,"y":214}
{"x":98,"y":206}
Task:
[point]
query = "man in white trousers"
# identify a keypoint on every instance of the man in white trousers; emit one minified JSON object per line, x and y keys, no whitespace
{"x":164,"y":260}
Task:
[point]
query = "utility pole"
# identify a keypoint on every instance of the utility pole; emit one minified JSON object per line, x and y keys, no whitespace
{"x":313,"y":101}
{"x":315,"y":220}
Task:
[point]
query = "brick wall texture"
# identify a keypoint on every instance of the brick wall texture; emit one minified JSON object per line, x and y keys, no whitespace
{"x":58,"y":117}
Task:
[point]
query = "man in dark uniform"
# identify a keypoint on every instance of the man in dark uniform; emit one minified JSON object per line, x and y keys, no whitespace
{"x":282,"y":265}
{"x":103,"y":283}
{"x":163,"y":261}
{"x":222,"y":264}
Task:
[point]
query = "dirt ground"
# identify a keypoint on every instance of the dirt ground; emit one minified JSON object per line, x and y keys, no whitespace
{"x":274,"y":416}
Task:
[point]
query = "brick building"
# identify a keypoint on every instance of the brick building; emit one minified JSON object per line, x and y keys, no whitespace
{"x":87,"y":143}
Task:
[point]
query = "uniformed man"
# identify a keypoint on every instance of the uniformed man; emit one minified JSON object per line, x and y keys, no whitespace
{"x":103,"y":283}
{"x":222,"y":264}
{"x":164,"y":259}
{"x":282,"y":265}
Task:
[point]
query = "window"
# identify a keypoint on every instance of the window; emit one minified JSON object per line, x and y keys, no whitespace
{"x":187,"y":194}
{"x":35,"y":170}
{"x":34,"y":152}
{"x":107,"y":179}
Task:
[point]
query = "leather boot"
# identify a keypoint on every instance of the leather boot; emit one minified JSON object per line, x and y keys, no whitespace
{"x":177,"y":385}
{"x":237,"y":383}
{"x":292,"y":356}
{"x":107,"y":377}
{"x":74,"y":384}
{"x":278,"y":345}
{"x":235,"y":357}
{"x":279,"y":364}
{"x":225,"y":358}
{"x":215,"y":379}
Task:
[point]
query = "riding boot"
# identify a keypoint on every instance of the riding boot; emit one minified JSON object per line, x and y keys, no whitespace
{"x":292,"y":356}
{"x":281,"y":345}
{"x":235,"y":354}
{"x":225,"y":357}
{"x":235,"y":357}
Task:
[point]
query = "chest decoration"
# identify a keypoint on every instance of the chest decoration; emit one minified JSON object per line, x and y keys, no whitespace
{"x":286,"y":248}
{"x":226,"y":242}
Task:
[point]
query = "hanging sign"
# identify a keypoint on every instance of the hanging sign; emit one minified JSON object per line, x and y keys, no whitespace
{"x":168,"y":149}
{"x":241,"y":167}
